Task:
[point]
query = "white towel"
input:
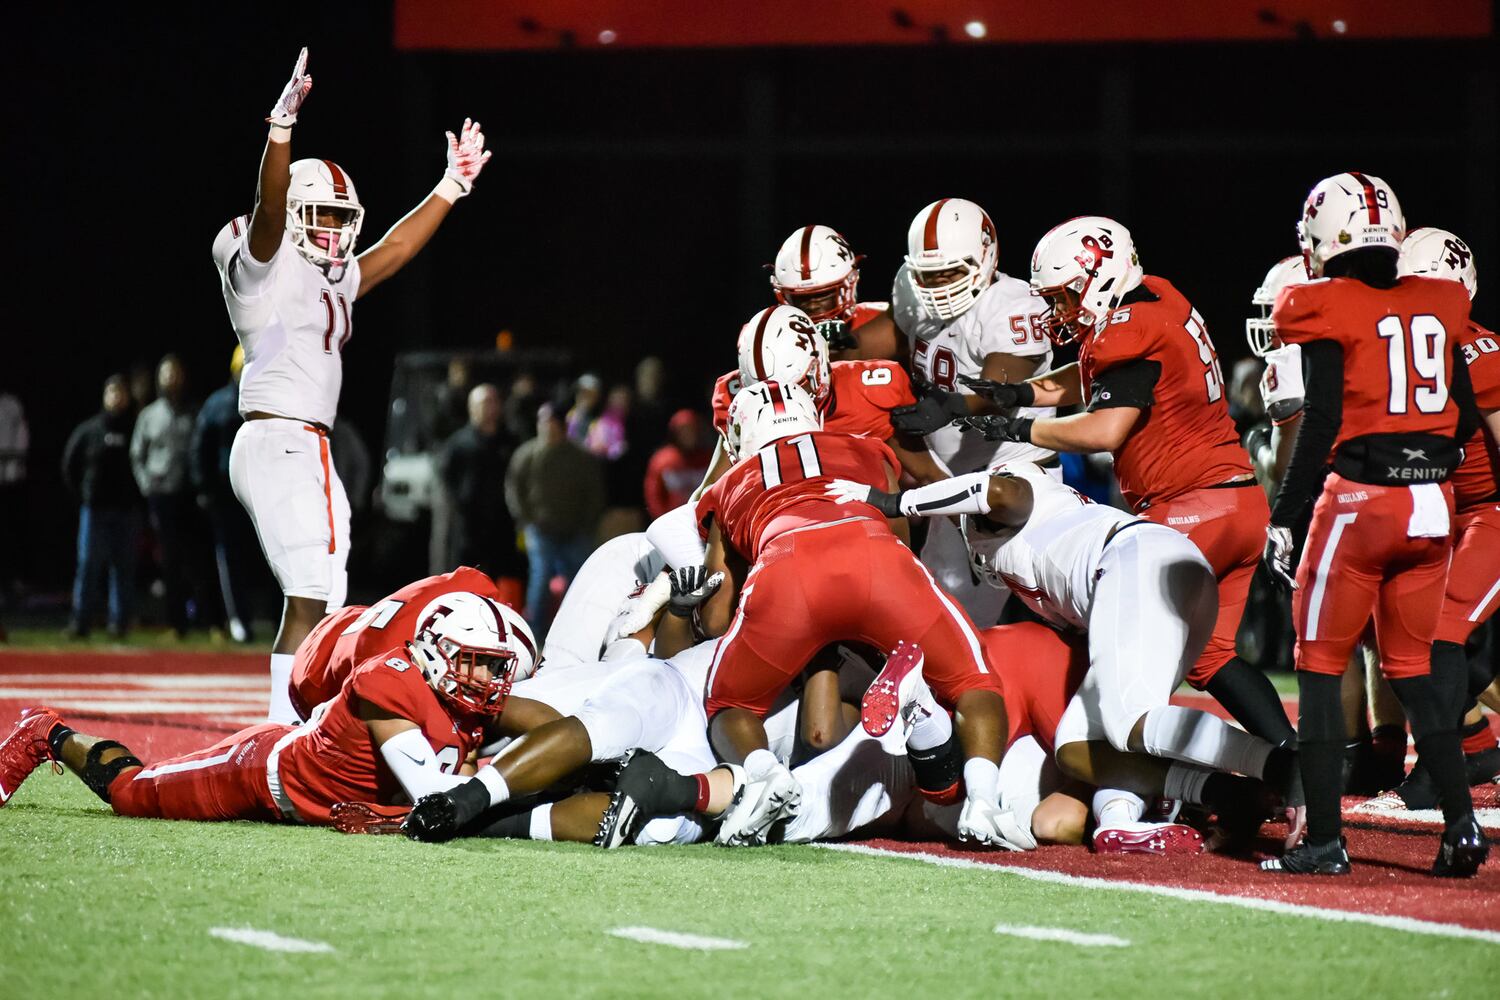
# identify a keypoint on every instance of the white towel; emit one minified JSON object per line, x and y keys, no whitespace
{"x":1429,"y":512}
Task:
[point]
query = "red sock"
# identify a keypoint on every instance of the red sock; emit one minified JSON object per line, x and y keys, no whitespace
{"x":702,"y":803}
{"x":947,"y":797}
{"x":1479,"y":737}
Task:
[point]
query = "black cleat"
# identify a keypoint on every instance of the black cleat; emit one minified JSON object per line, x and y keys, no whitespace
{"x":1331,"y":858}
{"x":646,"y":787}
{"x":1462,"y":850}
{"x":1483,"y":767}
{"x":441,"y":815}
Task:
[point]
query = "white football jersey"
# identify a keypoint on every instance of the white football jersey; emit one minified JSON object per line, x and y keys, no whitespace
{"x":1005,"y":320}
{"x":1052,"y":561}
{"x":1281,"y":386}
{"x":293,"y":323}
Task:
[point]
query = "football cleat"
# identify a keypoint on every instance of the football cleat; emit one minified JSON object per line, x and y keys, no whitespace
{"x":993,"y":825}
{"x":1384,"y":803}
{"x":759,"y":805}
{"x":441,"y":815}
{"x":1483,"y":767}
{"x":892,"y":691}
{"x":363,"y":817}
{"x":26,"y":749}
{"x":1462,"y":850}
{"x":639,"y":796}
{"x":1147,"y":838}
{"x":1311,"y":859}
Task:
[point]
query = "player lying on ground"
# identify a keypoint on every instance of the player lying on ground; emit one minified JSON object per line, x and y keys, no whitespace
{"x":290,"y":279}
{"x":1142,"y":594}
{"x":399,"y":728}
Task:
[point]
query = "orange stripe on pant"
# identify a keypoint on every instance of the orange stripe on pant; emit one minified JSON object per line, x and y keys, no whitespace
{"x":327,"y":483}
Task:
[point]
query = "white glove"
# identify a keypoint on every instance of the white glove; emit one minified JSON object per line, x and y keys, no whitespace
{"x":466,"y":156}
{"x":1278,"y":554}
{"x":639,"y":608}
{"x":988,"y":823}
{"x":691,"y":586}
{"x":848,"y":491}
{"x":284,"y":114}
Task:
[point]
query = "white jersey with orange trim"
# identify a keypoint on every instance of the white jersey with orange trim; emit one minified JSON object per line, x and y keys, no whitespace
{"x":1006,"y":319}
{"x":293,"y":321}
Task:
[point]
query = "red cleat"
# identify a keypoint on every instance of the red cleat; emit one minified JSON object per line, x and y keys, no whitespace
{"x":1148,"y":838}
{"x":364,"y":817}
{"x":892,"y":689}
{"x":26,"y":749}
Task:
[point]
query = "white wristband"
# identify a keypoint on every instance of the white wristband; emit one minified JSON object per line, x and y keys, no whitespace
{"x":279,"y":133}
{"x":449,"y":190}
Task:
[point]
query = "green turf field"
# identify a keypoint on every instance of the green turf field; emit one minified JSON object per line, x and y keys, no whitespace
{"x":99,"y":906}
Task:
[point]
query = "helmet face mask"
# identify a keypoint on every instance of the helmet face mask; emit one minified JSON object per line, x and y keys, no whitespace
{"x":952,"y":255}
{"x":1083,"y":268}
{"x":1064,"y":319}
{"x":1260,"y":333}
{"x":323,"y":213}
{"x":471,"y":649}
{"x":817,"y":272}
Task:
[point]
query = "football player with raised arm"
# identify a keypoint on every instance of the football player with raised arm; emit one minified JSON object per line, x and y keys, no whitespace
{"x":290,"y":278}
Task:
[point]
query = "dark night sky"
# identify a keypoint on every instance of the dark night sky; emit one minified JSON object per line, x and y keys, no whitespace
{"x":633,"y":194}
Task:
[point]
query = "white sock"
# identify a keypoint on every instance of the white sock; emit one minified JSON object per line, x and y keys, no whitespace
{"x":281,"y":709}
{"x":932,"y":726}
{"x":1115,"y":806}
{"x":495,"y":782}
{"x":1196,"y":737}
{"x":541,"y":822}
{"x":982,"y":780}
{"x":758,"y":762}
{"x":1185,"y":782}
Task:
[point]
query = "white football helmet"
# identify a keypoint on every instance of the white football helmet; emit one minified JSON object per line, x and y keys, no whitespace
{"x":817,"y":272}
{"x":321,"y":187}
{"x":951,"y":235}
{"x":461,"y":630}
{"x":1437,"y":253}
{"x":1083,"y":268}
{"x":1348,"y":212}
{"x":1258,"y":329}
{"x":781,"y":343}
{"x":769,"y":411}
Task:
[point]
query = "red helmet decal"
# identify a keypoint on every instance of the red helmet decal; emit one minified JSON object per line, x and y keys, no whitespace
{"x":807,"y":235}
{"x":1372,"y":203}
{"x":760,"y":333}
{"x":930,"y":230}
{"x":340,"y":185}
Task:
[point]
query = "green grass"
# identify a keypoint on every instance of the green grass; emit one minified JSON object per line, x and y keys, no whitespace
{"x":93,"y":905}
{"x":52,"y":640}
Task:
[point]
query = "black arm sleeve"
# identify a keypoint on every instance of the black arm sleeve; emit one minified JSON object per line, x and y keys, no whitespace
{"x":1323,"y":412}
{"x":1462,"y":391}
{"x":1130,"y":384}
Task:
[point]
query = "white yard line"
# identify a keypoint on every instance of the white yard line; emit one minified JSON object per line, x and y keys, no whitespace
{"x":117,"y":707}
{"x":1410,"y":925}
{"x":1063,"y":935}
{"x":76,"y":680}
{"x":673,"y":939}
{"x":50,"y":693}
{"x":268,"y":940}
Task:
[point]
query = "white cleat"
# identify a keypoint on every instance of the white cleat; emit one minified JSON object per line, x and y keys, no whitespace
{"x":759,"y":804}
{"x":993,"y":825}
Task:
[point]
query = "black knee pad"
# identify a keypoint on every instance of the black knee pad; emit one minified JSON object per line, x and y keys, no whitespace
{"x":100,"y":776}
{"x":939,"y":768}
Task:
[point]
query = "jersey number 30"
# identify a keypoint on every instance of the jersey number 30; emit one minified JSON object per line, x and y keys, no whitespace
{"x":1429,"y":340}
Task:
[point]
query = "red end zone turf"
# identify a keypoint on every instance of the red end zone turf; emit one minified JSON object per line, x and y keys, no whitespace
{"x":161,"y":704}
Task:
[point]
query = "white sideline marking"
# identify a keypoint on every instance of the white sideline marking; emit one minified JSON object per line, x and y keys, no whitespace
{"x":269,"y":940}
{"x":1489,"y":818}
{"x":75,"y":681}
{"x":672,"y":939}
{"x":1409,"y":924}
{"x":49,"y":694}
{"x":1062,"y":934}
{"x":153,"y":707}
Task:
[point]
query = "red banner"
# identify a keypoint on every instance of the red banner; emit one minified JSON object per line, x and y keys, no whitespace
{"x":554,"y":24}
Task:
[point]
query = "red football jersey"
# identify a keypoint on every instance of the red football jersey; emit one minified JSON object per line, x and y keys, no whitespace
{"x":1397,"y":344}
{"x":332,"y":758}
{"x":1478,"y":477}
{"x":784,"y":486}
{"x":861,"y":396}
{"x":352,"y":635}
{"x":1185,"y":441}
{"x":1041,"y":670}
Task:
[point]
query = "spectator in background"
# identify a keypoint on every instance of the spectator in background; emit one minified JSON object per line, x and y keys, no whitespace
{"x":471,"y":470}
{"x":678,"y":466}
{"x":236,"y":551}
{"x":606,"y":433}
{"x":142,"y":386}
{"x":587,"y":394}
{"x":648,"y":413}
{"x":555,"y":491}
{"x":15,"y":442}
{"x":159,"y":451}
{"x":520,"y":408}
{"x":450,"y":407}
{"x":96,"y":467}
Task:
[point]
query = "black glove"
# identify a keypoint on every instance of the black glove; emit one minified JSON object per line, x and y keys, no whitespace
{"x":1002,"y":394}
{"x":439,"y":816}
{"x":838,"y":335}
{"x":691,"y":586}
{"x":937,"y":408}
{"x":998,"y":428}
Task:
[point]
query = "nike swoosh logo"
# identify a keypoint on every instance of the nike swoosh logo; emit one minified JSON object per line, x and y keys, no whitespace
{"x":4,"y":795}
{"x":419,"y":763}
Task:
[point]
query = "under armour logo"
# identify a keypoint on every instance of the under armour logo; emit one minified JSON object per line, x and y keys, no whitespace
{"x":1415,"y":454}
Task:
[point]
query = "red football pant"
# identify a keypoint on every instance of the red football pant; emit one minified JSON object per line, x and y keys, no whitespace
{"x":1474,"y":577}
{"x":1042,"y":671}
{"x":226,"y":781}
{"x":1228,"y":524}
{"x":1358,"y":560}
{"x":849,"y":581}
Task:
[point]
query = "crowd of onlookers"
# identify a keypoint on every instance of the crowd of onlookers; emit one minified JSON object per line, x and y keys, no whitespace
{"x":527,"y":477}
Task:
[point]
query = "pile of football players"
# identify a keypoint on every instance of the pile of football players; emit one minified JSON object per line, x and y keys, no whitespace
{"x":813,"y":647}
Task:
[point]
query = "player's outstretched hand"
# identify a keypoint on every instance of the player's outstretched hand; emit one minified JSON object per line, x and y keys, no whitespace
{"x":1278,"y":554}
{"x":640,"y":608}
{"x":284,"y":114}
{"x":936,"y":409}
{"x":1002,"y":394}
{"x":466,"y":156}
{"x":848,"y":491}
{"x":691,"y":586}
